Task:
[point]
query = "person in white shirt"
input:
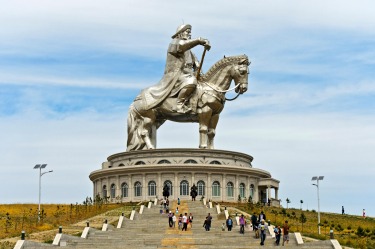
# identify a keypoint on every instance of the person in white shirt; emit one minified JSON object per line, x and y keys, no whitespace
{"x":184,"y":222}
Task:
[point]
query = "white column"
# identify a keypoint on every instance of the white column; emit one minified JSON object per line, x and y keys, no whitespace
{"x":209,"y":187}
{"x":224,"y":188}
{"x":159,"y":188}
{"x":118,"y":188}
{"x":176,"y":186}
{"x":236,"y":188}
{"x":130,"y":188}
{"x":268,"y":192}
{"x":144,"y":187}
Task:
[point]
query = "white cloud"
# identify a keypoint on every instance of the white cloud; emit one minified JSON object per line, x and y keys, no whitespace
{"x":292,"y":146}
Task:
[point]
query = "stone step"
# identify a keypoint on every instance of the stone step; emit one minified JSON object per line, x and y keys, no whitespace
{"x":151,"y":230}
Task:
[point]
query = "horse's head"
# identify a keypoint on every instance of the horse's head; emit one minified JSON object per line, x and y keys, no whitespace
{"x":240,"y":75}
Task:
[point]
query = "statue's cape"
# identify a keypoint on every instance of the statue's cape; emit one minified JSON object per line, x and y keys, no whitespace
{"x":154,"y":95}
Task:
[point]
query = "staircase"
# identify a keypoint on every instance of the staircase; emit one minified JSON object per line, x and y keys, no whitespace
{"x":151,"y":230}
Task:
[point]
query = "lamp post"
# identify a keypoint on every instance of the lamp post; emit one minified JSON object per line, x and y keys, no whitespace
{"x":40,"y":167}
{"x":317,"y":179}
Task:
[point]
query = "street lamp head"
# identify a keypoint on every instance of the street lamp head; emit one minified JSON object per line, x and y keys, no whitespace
{"x":314,"y":178}
{"x":320,"y":177}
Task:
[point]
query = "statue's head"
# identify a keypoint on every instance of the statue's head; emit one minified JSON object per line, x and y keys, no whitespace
{"x":183,"y":32}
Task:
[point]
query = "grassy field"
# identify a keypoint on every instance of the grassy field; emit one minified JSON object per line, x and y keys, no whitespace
{"x":15,"y":218}
{"x":349,"y":230}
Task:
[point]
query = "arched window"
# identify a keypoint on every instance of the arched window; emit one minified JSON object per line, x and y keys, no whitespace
{"x":215,"y":189}
{"x":184,"y":188}
{"x":230,"y":189}
{"x":140,"y":163}
{"x":191,"y":161}
{"x":124,"y":190}
{"x":121,"y":165}
{"x":215,"y":162}
{"x":252,"y":191}
{"x":104,"y":191}
{"x":137,"y":189}
{"x":169,"y":184}
{"x":201,"y":188}
{"x":242,"y":190}
{"x":164,"y":161}
{"x":113,"y":191}
{"x":151,"y":188}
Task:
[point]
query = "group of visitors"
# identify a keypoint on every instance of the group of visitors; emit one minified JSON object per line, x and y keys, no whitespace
{"x":183,"y":220}
{"x":260,"y":228}
{"x":165,"y":204}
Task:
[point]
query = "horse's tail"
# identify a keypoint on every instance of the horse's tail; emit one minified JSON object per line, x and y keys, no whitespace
{"x":135,"y":141}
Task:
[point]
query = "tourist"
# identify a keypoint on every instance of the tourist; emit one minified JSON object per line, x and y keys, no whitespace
{"x":208,"y":222}
{"x":364,"y":213}
{"x":190,"y":219}
{"x":170,"y":219}
{"x":263,"y":230}
{"x":342,"y":210}
{"x":286,"y":232}
{"x":262,"y":216}
{"x":174,"y":219}
{"x":180,"y":222}
{"x":184,"y":222}
{"x":256,"y":229}
{"x":242,"y":224}
{"x":229,"y":223}
{"x":277,"y":232}
{"x":176,"y":210}
{"x":223,"y":227}
{"x":167,"y":203}
{"x":178,"y":201}
{"x":254,"y":221}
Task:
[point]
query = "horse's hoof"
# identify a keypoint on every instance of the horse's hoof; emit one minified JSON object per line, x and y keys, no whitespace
{"x":203,"y":147}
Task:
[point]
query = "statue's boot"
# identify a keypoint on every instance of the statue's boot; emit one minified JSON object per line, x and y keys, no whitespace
{"x":181,"y":107}
{"x":182,"y":97}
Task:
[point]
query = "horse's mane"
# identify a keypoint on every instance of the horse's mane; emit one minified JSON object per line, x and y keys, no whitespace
{"x":221,"y":64}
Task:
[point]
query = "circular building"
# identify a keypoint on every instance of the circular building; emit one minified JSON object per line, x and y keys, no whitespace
{"x":219,"y":175}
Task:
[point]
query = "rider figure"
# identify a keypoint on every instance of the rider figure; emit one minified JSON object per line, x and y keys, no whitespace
{"x":180,"y":58}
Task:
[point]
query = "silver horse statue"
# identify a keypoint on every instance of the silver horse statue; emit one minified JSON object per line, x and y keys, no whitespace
{"x":207,"y":102}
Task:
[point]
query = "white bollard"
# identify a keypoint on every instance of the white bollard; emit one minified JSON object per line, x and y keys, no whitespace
{"x":132,"y":215}
{"x":226,"y":214}
{"x":238,"y":220}
{"x":19,"y":244}
{"x":218,"y":209}
{"x":120,"y":220}
{"x":204,"y":201}
{"x":210,"y":204}
{"x":149,"y":204}
{"x":57,"y":239}
{"x":85,"y":232}
{"x":141,"y":209}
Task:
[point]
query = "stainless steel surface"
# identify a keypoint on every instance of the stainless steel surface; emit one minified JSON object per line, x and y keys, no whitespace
{"x":180,"y":97}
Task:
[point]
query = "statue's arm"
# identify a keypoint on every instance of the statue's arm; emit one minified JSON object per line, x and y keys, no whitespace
{"x":185,"y":45}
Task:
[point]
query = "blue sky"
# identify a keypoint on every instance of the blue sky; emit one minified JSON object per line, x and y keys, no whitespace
{"x":70,"y":69}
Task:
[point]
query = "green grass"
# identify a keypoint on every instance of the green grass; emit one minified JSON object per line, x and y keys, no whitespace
{"x":349,"y":230}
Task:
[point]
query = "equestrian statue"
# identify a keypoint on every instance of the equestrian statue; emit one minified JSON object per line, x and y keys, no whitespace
{"x":184,"y":94}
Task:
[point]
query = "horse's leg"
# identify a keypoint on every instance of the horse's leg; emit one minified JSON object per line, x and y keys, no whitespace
{"x":212,"y":130}
{"x":204,"y":118}
{"x":148,"y":122}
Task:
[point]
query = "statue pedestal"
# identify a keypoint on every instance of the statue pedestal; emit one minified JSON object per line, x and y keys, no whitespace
{"x":219,"y":175}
